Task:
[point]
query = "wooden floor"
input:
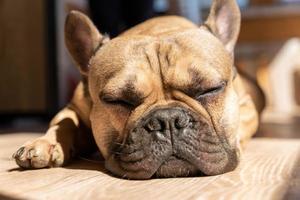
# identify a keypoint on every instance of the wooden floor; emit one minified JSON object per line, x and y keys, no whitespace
{"x":270,"y":169}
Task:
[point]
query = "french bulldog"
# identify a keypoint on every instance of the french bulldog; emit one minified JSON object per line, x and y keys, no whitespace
{"x":163,"y":99}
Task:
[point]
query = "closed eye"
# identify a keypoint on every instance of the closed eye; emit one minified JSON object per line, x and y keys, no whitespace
{"x":117,"y":102}
{"x":211,"y":91}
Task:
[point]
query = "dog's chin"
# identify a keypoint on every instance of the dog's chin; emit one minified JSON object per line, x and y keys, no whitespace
{"x":176,"y":167}
{"x":170,"y":168}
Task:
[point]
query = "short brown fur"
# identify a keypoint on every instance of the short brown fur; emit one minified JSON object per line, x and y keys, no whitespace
{"x":166,"y":62}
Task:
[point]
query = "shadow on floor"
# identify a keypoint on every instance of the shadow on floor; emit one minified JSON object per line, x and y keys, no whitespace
{"x":6,"y":197}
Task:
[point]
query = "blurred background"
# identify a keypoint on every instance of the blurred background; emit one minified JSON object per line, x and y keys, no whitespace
{"x":37,"y":75}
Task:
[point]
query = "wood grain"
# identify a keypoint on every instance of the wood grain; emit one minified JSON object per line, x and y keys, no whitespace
{"x":265,"y":24}
{"x":265,"y":172}
{"x":23,"y":64}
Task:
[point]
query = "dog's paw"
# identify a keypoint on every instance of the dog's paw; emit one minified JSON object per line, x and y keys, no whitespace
{"x":39,"y":154}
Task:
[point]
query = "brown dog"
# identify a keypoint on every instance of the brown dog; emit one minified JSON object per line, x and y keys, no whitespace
{"x":161,"y":99}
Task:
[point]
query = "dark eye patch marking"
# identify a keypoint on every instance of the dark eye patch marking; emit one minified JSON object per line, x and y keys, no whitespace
{"x":201,"y":86}
{"x":131,"y":93}
{"x":128,"y":95}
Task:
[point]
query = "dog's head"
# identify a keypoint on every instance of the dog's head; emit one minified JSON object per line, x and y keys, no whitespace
{"x":162,"y":93}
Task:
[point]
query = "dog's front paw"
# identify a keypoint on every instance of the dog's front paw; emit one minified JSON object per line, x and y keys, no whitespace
{"x":39,"y":154}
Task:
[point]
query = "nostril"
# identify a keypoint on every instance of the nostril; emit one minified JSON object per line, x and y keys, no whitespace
{"x":181,"y":122}
{"x":154,"y":125}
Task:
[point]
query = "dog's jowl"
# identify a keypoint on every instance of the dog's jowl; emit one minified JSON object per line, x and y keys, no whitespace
{"x":163,"y":99}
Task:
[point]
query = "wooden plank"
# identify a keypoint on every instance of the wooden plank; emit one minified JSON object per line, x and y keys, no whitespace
{"x":265,"y":172}
{"x":269,"y":24}
{"x":23,"y":56}
{"x":275,"y":29}
{"x":297,"y":84}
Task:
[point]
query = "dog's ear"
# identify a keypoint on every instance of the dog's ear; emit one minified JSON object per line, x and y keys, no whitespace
{"x":82,"y":39}
{"x":224,"y":22}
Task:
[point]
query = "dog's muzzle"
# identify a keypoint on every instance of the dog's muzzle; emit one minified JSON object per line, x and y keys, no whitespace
{"x":170,"y":142}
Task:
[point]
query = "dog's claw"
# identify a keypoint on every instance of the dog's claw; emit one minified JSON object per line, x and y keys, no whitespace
{"x":19,"y":152}
{"x":20,"y":157}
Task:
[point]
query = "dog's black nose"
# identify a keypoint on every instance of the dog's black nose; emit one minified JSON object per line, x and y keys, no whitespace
{"x":167,"y":119}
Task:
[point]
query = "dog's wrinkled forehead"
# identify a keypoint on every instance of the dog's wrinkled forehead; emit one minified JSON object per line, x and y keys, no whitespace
{"x":192,"y":50}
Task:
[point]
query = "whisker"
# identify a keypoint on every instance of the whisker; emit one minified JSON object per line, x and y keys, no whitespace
{"x":124,"y":175}
{"x":121,"y":144}
{"x":117,"y":152}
